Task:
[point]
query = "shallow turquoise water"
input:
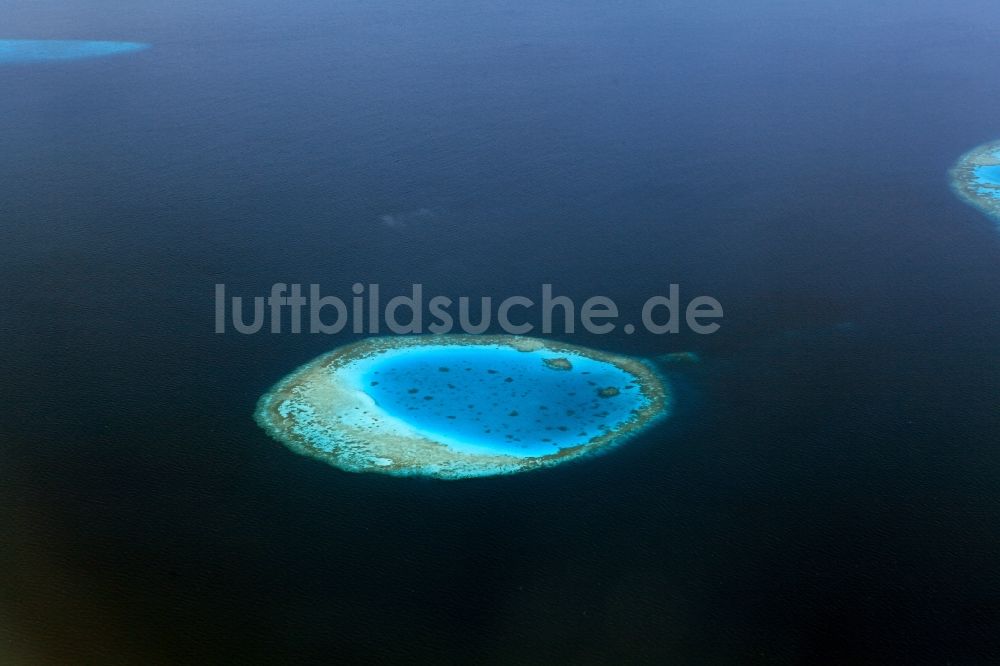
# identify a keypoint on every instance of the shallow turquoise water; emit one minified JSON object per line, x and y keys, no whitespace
{"x":41,"y":50}
{"x":499,"y":398}
{"x":988,"y":175}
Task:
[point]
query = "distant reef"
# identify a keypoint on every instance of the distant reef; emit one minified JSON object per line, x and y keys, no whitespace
{"x":976,"y":178}
{"x":47,"y":50}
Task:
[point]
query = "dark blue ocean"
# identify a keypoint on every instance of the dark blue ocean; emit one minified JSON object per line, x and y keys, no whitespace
{"x":827,"y":490}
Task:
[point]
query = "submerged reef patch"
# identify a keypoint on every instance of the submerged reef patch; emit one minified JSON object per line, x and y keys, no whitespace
{"x":458,"y":406}
{"x":976,"y":178}
{"x":558,"y":363}
{"x":44,"y":50}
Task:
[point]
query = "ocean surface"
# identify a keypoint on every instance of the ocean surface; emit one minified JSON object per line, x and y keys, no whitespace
{"x":827,"y":490}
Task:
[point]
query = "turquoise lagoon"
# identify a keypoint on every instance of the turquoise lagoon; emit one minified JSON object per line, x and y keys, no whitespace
{"x":989,"y":178}
{"x":461,"y":406}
